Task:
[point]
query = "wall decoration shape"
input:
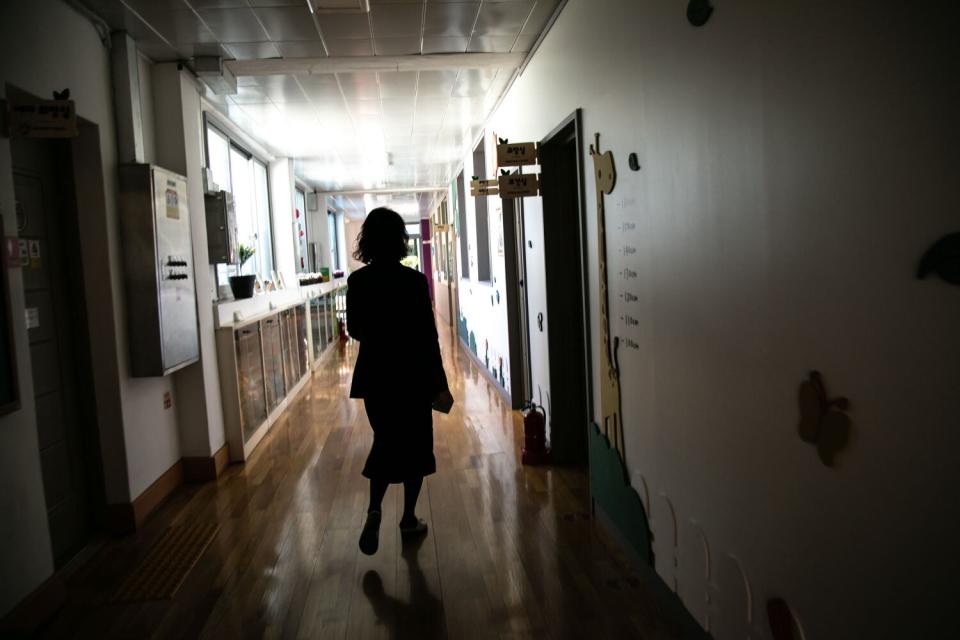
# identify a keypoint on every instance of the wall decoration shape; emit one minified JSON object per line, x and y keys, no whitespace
{"x":823,"y":422}
{"x":942,"y":258}
{"x":610,"y":487}
{"x":699,"y":12}
{"x":605,"y":176}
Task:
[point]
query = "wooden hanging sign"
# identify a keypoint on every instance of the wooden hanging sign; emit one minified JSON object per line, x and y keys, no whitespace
{"x":519,"y":185}
{"x":483,"y":187}
{"x":42,"y":119}
{"x":516,"y":154}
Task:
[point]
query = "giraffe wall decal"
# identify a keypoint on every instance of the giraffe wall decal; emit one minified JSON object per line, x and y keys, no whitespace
{"x":605,"y":175}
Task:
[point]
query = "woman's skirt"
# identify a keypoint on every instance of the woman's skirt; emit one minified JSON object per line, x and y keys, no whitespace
{"x":402,"y":439}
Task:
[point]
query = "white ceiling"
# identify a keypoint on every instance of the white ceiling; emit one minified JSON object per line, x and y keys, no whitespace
{"x":357,"y":129}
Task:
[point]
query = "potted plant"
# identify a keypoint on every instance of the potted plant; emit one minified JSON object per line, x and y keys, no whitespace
{"x":242,"y":286}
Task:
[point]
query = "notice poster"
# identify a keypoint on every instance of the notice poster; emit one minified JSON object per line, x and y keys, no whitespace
{"x":172,"y":200}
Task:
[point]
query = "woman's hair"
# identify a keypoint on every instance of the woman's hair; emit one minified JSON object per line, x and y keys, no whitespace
{"x":383,"y":237}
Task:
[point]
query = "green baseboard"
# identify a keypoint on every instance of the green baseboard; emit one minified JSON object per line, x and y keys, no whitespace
{"x":610,"y":488}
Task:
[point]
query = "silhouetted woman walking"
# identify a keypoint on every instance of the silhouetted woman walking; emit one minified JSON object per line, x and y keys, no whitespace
{"x":399,"y":373}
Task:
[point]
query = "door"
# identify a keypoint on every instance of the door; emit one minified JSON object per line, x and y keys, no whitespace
{"x":564,"y":259}
{"x":516,"y":299}
{"x":59,"y":343}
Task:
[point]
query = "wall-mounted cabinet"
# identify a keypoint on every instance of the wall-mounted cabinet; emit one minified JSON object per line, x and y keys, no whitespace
{"x":158,"y":269}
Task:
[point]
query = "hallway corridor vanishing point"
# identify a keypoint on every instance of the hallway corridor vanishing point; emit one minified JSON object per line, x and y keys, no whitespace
{"x":511,"y":550}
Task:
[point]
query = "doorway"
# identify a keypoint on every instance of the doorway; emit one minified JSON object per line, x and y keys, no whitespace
{"x":57,"y":331}
{"x":518,"y":326}
{"x":564,"y":256}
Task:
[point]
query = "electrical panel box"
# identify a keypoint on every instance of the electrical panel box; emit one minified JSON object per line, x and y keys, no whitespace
{"x":221,"y":227}
{"x":158,"y":259}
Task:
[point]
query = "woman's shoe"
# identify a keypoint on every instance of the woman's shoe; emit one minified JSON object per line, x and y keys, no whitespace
{"x":417,"y":529}
{"x":370,"y":536}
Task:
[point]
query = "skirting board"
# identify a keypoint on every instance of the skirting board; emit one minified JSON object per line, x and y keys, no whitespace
{"x":205,"y":468}
{"x":127,"y":517}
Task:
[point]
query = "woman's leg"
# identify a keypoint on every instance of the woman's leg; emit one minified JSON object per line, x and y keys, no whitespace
{"x":378,"y":489}
{"x":370,"y":536}
{"x":411,"y":491}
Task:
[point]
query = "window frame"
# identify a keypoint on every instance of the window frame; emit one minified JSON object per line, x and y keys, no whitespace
{"x":481,"y":217}
{"x":233,"y":143}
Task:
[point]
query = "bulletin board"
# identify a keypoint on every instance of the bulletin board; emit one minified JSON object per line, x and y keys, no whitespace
{"x":9,"y":390}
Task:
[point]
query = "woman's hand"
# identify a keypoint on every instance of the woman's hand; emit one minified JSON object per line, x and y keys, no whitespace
{"x":443,"y":402}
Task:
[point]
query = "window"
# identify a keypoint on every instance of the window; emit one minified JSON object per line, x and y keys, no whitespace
{"x":245,"y":177}
{"x":334,"y":244}
{"x":300,"y":230}
{"x":462,"y":228}
{"x":483,"y":224}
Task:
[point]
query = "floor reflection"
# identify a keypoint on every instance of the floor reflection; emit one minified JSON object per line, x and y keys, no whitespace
{"x":422,"y":615}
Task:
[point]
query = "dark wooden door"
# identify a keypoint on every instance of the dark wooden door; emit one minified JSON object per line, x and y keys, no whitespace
{"x":59,"y":343}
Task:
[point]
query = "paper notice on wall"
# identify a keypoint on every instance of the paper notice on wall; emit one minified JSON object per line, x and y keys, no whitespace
{"x":35,"y":254}
{"x":173,"y":200}
{"x":32,"y":317}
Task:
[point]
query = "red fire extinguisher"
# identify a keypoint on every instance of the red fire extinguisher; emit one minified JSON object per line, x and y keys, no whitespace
{"x":535,"y":449}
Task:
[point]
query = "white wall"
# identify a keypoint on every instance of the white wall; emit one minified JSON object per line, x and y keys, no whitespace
{"x":281,"y":199}
{"x":46,"y":46}
{"x":796,"y":162}
{"x":486,"y":315}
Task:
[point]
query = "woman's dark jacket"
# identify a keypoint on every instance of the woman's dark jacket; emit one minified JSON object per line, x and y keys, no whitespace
{"x":389,"y":312}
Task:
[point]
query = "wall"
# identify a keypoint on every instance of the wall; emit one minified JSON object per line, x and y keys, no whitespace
{"x":483,"y":304}
{"x":281,"y":176}
{"x":176,"y":105}
{"x":796,"y":162}
{"x":63,"y":50}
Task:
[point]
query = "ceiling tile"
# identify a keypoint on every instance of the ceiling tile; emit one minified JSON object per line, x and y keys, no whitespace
{"x":396,"y":20}
{"x":525,"y":43}
{"x":365,"y":107}
{"x":320,"y":88}
{"x":397,"y":84}
{"x":396,"y":46}
{"x":360,"y":85}
{"x":274,"y":3}
{"x":473,"y":82}
{"x":502,"y":18}
{"x":491,"y":44}
{"x":252,"y":50}
{"x":540,"y":16}
{"x":177,"y":26}
{"x":234,"y":25}
{"x":288,"y":23}
{"x":444,"y":44}
{"x":338,"y":26}
{"x":452,"y":19}
{"x":281,"y":88}
{"x":434,"y":84}
{"x":349,"y":47}
{"x":211,"y":4}
{"x":152,"y":6}
{"x":302,"y":49}
{"x":157,"y":51}
{"x":194,"y":49}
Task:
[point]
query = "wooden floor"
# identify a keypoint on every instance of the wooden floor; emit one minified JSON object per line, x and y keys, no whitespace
{"x":512,"y":551}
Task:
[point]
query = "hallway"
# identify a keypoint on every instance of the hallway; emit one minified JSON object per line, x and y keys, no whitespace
{"x":511,"y":550}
